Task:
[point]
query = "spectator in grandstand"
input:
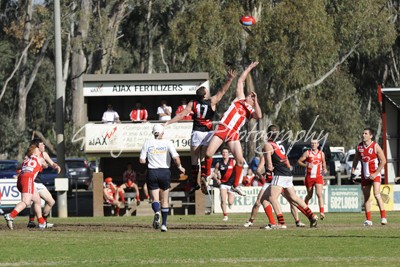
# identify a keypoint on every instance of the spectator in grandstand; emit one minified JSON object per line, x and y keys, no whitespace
{"x":314,"y":162}
{"x":223,"y":177}
{"x":158,"y":152}
{"x":373,"y":160}
{"x":164,"y":111}
{"x":139,"y":113}
{"x":182,"y":108}
{"x":110,"y":116}
{"x":110,"y":194}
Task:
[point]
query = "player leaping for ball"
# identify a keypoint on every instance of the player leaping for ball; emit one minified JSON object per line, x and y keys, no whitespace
{"x":203,"y":108}
{"x":242,"y":108}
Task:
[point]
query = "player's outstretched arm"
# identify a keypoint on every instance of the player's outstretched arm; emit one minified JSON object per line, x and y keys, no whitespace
{"x":242,"y":79}
{"x":181,"y":115}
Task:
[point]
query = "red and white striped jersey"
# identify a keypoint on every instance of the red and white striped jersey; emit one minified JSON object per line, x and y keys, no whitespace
{"x":138,"y":114}
{"x":369,"y":159}
{"x":237,"y":114}
{"x":31,"y":164}
{"x":314,"y":164}
{"x":182,"y":108}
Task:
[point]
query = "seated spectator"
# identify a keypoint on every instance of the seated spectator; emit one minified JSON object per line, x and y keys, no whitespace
{"x":164,"y":111}
{"x":181,"y":108}
{"x":110,"y":194}
{"x":129,"y":174}
{"x":110,"y":116}
{"x":128,"y":186}
{"x":138,"y":113}
{"x":248,"y":179}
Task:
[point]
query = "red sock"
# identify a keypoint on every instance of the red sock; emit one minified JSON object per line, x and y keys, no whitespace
{"x":238,"y":174}
{"x":41,"y":220}
{"x":225,"y":214}
{"x":321,"y":210}
{"x":31,"y":218}
{"x":301,"y":209}
{"x":270,"y":214}
{"x":14,"y":214}
{"x":251,"y":220}
{"x":147,"y":196}
{"x":138,"y":198}
{"x":117,"y":211}
{"x":368,"y":215}
{"x":206,"y":167}
{"x":383,"y":213}
{"x":307,"y":212}
{"x":121,"y":196}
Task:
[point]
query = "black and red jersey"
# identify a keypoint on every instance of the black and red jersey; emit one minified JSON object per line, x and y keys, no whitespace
{"x":279,"y":160}
{"x":202,"y":115}
{"x":226,"y":170}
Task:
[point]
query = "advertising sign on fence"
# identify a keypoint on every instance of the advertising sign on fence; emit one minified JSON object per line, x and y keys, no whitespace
{"x":344,"y":198}
{"x":386,"y":195}
{"x":9,"y":190}
{"x":245,"y":204}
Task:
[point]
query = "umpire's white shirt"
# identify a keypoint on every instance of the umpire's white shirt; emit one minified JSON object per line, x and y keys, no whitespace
{"x":158,"y":153}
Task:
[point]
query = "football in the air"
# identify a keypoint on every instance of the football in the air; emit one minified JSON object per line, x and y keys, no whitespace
{"x":247,"y":20}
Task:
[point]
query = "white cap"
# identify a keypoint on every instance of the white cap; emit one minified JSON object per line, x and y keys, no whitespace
{"x":158,"y":128}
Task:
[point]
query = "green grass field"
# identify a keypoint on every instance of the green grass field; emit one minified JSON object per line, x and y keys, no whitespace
{"x":339,"y":240}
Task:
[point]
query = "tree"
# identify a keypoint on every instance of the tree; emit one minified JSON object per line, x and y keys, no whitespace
{"x":94,"y":28}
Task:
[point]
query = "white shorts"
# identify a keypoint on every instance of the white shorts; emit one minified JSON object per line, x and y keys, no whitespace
{"x":201,"y":138}
{"x":227,"y":187}
{"x":39,"y":187}
{"x":282,"y":181}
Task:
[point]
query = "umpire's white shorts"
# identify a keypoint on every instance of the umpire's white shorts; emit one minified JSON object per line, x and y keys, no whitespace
{"x":282,"y":181}
{"x":201,"y":138}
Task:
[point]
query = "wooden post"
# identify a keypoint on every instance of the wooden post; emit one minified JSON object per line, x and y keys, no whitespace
{"x":98,"y":180}
{"x":200,"y":203}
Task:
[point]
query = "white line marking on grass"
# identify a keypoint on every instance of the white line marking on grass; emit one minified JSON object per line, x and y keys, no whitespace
{"x":103,"y":262}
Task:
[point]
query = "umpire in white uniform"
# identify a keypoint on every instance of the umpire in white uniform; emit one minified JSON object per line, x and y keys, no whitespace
{"x":158,"y":152}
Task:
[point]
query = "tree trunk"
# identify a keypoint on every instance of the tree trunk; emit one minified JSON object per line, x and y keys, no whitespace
{"x":23,"y":72}
{"x":79,"y":64}
{"x":149,"y":37}
{"x":118,"y":13}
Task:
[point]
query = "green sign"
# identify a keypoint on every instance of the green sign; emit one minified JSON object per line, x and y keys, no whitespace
{"x":344,"y":198}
